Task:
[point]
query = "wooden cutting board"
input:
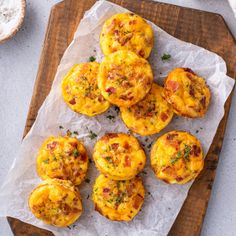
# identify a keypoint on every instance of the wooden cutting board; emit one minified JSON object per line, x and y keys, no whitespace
{"x":205,"y":29}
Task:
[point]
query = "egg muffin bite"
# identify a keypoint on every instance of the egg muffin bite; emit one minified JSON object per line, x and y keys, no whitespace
{"x":127,"y":31}
{"x":62,"y":158}
{"x":56,"y":202}
{"x":80,"y":90}
{"x":124,"y":78}
{"x":118,"y":200}
{"x":119,"y":156}
{"x":177,"y":157}
{"x":150,"y":115}
{"x":187,"y":93}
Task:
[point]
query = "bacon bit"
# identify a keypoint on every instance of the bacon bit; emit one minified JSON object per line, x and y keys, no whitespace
{"x":106,"y":190}
{"x":127,"y":162}
{"x":169,"y":170}
{"x":110,"y":90}
{"x":52,"y":145}
{"x":108,"y":136}
{"x":171,"y":136}
{"x":83,"y":157}
{"x":141,"y":53}
{"x":114,"y":146}
{"x":189,"y":70}
{"x":66,"y":209}
{"x":195,"y":150}
{"x":73,"y":144}
{"x":112,"y":26}
{"x":72,"y":101}
{"x":203,"y":102}
{"x":129,"y":189}
{"x":126,"y":97}
{"x":76,"y":173}
{"x":116,"y":33}
{"x":101,"y":98}
{"x":191,"y":91}
{"x":125,"y":84}
{"x":138,"y":199}
{"x":164,"y":116}
{"x":149,"y":114}
{"x":126,"y":145}
{"x":132,"y":22}
{"x":125,"y":39}
{"x":179,"y":178}
{"x":112,"y":135}
{"x":172,"y":85}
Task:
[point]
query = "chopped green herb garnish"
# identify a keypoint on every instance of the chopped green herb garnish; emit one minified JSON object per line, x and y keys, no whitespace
{"x":61,"y":127}
{"x":75,"y":132}
{"x":149,"y":145}
{"x":144,"y":172}
{"x":45,"y":161}
{"x":88,"y":196}
{"x":187,"y":150}
{"x":92,"y":135}
{"x":109,"y":159}
{"x":166,"y":57}
{"x":176,"y":158}
{"x":110,"y":117}
{"x":68,"y":133}
{"x":76,"y":153}
{"x":92,"y":58}
{"x":87,"y":181}
{"x":197,"y":131}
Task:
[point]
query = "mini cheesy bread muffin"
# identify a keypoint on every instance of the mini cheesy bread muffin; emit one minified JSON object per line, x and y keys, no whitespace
{"x":127,"y":31}
{"x":150,"y":115}
{"x":187,"y":93}
{"x":119,"y":156}
{"x":80,"y":90}
{"x":124,"y":78}
{"x":56,"y":202}
{"x":62,"y":158}
{"x":177,"y":157}
{"x":118,"y":200}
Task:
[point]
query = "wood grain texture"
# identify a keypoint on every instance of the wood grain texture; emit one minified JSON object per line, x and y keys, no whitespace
{"x":198,"y":27}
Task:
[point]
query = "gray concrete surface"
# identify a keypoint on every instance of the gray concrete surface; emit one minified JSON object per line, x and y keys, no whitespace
{"x":19,"y":60}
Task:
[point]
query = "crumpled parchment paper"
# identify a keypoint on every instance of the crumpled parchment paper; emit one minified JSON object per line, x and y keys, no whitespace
{"x":162,"y":201}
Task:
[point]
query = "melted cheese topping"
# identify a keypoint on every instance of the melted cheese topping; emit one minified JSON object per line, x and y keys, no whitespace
{"x":119,"y":156}
{"x":56,"y":202}
{"x":80,"y":90}
{"x":187,"y":93}
{"x":177,"y":157}
{"x":63,"y":158}
{"x":124,"y":78}
{"x":150,"y":115}
{"x":127,"y":31}
{"x":118,"y":200}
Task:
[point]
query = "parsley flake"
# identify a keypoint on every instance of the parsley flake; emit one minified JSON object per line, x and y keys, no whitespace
{"x":92,"y":58}
{"x":45,"y":161}
{"x":110,"y":117}
{"x":87,"y":181}
{"x":92,"y":135}
{"x":166,"y":57}
{"x":187,"y":150}
{"x":76,"y":153}
{"x":61,"y":127}
{"x":176,"y":158}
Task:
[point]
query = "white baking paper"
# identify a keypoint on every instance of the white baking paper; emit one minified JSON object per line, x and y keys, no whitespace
{"x":162,"y":201}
